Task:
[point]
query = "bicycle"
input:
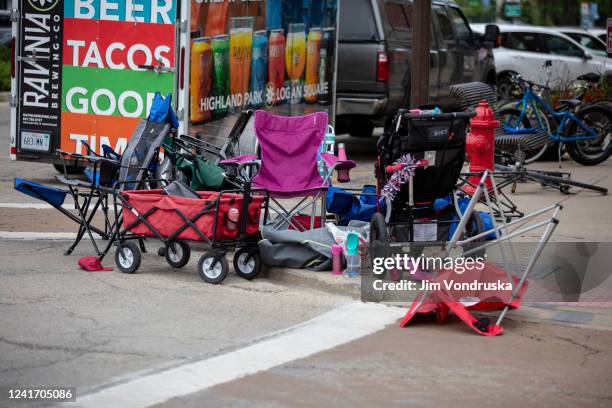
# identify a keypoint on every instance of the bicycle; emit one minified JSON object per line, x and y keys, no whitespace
{"x":584,"y":130}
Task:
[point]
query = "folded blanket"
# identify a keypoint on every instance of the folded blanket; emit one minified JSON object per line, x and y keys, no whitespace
{"x":295,"y":249}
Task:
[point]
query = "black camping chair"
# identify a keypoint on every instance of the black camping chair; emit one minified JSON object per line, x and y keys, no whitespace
{"x":108,"y":172}
{"x":435,"y":144}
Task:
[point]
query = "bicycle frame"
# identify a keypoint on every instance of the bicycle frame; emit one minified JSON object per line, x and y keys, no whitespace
{"x":532,"y":101}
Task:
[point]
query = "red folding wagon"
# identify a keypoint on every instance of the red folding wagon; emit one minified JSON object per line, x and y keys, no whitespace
{"x":221,"y":221}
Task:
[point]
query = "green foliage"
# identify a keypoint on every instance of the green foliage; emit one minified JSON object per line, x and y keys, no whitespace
{"x":551,"y":12}
{"x":475,"y":12}
{"x":560,"y":12}
{"x":538,"y":12}
{"x":5,"y":69}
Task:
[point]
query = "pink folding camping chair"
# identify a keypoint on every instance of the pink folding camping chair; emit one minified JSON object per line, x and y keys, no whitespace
{"x":288,"y":169}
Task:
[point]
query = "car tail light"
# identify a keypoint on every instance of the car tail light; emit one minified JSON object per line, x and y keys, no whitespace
{"x":382,"y":67}
{"x":182,"y":71}
{"x":498,"y":40}
{"x":13,"y":51}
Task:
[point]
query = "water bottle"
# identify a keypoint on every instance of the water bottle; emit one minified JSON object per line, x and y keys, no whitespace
{"x":327,"y":146}
{"x":353,"y":260}
{"x":341,"y":152}
{"x":233,"y":216}
{"x":330,"y":140}
{"x":336,"y":259}
{"x":343,"y":175}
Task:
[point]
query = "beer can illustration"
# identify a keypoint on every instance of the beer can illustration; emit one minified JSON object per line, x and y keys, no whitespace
{"x":276,"y":65}
{"x":323,"y":61}
{"x":200,"y":82}
{"x":295,"y":59}
{"x":313,"y":58}
{"x":241,"y":43}
{"x":326,"y":70}
{"x":259,"y":67}
{"x":221,"y":73}
{"x":295,"y":51}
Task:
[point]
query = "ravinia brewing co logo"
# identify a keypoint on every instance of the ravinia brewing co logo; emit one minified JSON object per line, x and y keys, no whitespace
{"x":43,"y":5}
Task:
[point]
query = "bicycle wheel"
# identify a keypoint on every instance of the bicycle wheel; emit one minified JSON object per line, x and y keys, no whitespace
{"x":593,"y":151}
{"x":509,"y":118}
{"x":606,"y":102}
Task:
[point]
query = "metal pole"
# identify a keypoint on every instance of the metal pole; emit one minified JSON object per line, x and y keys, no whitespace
{"x":457,"y":234}
{"x":534,"y":258}
{"x":419,"y":65}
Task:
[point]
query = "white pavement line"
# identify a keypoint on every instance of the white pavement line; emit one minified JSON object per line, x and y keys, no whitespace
{"x":339,"y":326}
{"x":34,"y":206}
{"x":36,"y":236}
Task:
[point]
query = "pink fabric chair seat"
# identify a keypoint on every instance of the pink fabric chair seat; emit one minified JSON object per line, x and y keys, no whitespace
{"x":289,"y":148}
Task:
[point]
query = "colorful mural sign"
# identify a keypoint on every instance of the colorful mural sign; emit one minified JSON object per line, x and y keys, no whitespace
{"x":96,"y":73}
{"x":90,"y":68}
{"x":277,"y":55}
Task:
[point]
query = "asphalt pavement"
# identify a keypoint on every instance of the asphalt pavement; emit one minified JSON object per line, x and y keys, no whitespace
{"x":162,"y":336}
{"x":434,"y":366}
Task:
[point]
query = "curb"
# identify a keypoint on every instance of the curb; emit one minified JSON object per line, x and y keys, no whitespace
{"x":564,"y":315}
{"x":322,"y":281}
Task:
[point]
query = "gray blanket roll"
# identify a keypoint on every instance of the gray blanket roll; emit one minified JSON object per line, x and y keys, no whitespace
{"x":295,"y":249}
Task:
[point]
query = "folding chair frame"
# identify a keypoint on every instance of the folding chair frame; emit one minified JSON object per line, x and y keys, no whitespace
{"x":502,"y":235}
{"x":89,"y":197}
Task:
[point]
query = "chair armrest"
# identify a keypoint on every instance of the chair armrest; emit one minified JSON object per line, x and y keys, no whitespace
{"x":89,"y":158}
{"x":72,"y":182}
{"x":243,"y":159}
{"x":342,"y":167}
{"x":334,"y":163}
{"x":110,"y":153}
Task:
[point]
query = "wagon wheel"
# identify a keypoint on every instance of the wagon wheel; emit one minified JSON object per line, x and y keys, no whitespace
{"x":378,"y":228}
{"x":177,"y":254}
{"x":213,"y":267}
{"x":378,"y":234}
{"x":128,"y":257}
{"x":247,"y":267}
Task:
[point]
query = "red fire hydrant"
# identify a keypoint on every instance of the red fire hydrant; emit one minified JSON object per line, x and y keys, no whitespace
{"x":480,"y":143}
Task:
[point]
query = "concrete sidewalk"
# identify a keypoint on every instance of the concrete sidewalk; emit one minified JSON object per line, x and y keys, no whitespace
{"x":427,"y":365}
{"x":586,"y":216}
{"x":578,"y":314}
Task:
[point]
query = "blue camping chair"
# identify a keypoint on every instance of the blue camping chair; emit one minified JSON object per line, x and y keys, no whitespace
{"x":348,"y":206}
{"x":108,"y":173}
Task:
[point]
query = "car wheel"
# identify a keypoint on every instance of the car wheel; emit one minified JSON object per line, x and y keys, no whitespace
{"x":504,"y":89}
{"x":361,"y":129}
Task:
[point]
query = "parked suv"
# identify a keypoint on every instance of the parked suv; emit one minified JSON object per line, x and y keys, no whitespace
{"x":375,"y":41}
{"x":589,"y":41}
